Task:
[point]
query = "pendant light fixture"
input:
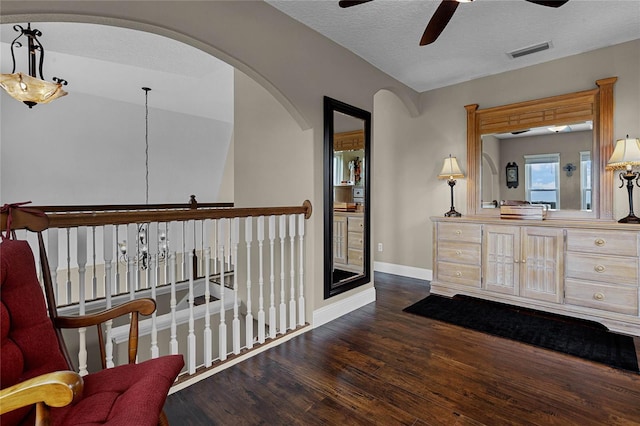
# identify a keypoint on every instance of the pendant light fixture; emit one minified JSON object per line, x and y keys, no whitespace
{"x":28,"y":88}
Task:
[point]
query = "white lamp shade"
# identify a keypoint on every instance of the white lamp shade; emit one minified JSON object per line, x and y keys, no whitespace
{"x":450,"y":169}
{"x":626,"y":153}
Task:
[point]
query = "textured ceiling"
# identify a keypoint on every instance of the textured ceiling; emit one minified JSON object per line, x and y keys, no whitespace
{"x":475,"y":43}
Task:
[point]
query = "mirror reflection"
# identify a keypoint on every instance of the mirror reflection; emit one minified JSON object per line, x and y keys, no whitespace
{"x":546,"y":165}
{"x":347,"y":196}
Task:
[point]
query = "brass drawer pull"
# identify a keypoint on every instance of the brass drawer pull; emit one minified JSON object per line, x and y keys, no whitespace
{"x":458,"y":274}
{"x":458,"y":252}
{"x":599,"y":268}
{"x":458,"y":232}
{"x":598,"y":296}
{"x":516,"y":261}
{"x":599,"y":242}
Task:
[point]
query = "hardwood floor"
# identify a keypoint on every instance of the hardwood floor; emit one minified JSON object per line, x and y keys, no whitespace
{"x":379,"y":365}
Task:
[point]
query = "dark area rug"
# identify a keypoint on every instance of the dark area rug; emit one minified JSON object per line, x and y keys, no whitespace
{"x":585,"y":339}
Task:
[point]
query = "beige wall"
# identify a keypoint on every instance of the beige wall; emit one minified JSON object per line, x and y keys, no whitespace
{"x":297,"y":67}
{"x":408,"y":152}
{"x":295,"y":64}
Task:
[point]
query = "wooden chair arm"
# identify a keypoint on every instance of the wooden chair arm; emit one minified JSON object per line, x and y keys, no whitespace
{"x":144,"y":306}
{"x":55,"y":389}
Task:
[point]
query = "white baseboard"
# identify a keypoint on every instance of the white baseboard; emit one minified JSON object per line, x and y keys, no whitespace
{"x":342,"y":307}
{"x":402,"y":270}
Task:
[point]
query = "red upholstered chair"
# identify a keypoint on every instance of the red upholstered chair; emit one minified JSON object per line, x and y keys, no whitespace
{"x":37,"y":386}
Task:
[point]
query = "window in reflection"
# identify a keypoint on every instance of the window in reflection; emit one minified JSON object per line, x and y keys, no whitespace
{"x":585,"y":180}
{"x":542,"y":180}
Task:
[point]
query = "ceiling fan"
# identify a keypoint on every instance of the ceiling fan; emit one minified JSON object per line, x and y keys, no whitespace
{"x":443,"y":14}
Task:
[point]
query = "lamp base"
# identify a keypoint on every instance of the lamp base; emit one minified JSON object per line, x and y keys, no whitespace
{"x":454,"y":213}
{"x":630,"y":219}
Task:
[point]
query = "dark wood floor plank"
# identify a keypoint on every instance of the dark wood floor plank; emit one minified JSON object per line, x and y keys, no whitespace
{"x":379,"y":365}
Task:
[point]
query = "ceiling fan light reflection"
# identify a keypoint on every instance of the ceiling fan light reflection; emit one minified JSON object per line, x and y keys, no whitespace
{"x":558,"y":129}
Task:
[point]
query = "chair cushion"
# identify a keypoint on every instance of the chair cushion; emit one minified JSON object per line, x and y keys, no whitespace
{"x":131,"y":394}
{"x":29,"y":345}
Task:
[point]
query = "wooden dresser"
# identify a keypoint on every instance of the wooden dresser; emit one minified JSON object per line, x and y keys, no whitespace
{"x":578,"y":268}
{"x":348,"y":240}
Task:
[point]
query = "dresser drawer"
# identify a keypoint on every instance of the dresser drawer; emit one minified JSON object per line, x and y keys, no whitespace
{"x":461,"y":252}
{"x":603,"y":242}
{"x":355,"y":257}
{"x":607,"y":297}
{"x":355,"y":224}
{"x":613,"y":269}
{"x":468,"y":232}
{"x":456,"y":273}
{"x":355,"y":240}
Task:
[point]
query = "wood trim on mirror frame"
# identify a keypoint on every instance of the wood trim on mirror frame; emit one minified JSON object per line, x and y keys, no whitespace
{"x":596,"y":105}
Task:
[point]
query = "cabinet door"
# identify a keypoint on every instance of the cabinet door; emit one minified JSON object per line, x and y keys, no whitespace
{"x":501,"y":253}
{"x":541,"y":264}
{"x":340,"y":239}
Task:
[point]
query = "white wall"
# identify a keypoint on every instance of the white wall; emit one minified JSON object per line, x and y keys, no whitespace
{"x":84,"y":149}
{"x":409,"y":151}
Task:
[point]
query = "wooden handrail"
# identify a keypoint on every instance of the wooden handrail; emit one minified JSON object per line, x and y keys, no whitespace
{"x":71,"y":220}
{"x":192,"y":204}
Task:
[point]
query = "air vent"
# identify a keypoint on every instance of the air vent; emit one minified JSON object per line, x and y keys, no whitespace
{"x":529,"y":50}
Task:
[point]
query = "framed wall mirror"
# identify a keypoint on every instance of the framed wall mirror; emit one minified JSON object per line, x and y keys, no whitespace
{"x":557,"y":146}
{"x":347,"y":197}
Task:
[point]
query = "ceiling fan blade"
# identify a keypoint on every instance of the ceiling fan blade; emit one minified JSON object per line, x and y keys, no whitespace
{"x":438,"y":21}
{"x":549,"y":3}
{"x":349,"y":3}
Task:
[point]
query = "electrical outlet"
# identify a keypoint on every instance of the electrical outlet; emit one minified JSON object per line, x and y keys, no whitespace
{"x":379,"y":246}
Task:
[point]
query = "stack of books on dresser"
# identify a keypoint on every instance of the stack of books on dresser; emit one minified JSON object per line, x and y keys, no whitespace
{"x":524,"y":211}
{"x":344,"y":207}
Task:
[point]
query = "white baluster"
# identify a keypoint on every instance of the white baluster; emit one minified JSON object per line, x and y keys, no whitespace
{"x":272,"y":278}
{"x":283,"y":306}
{"x":173,"y":342}
{"x":191,"y":337}
{"x":248,"y":235}
{"x":94,"y":277}
{"x":133,"y":249}
{"x":301,"y":307}
{"x":222,"y":330}
{"x":292,"y":289}
{"x":118,"y":288}
{"x":208,"y":349}
{"x":203,"y":258}
{"x":261,"y":318}
{"x":235,"y":238}
{"x":53,"y":254}
{"x":137,"y":262}
{"x":152,"y":274}
{"x":214,"y":231}
{"x":166,"y":249}
{"x":69,"y":294}
{"x":107,"y":249}
{"x":81,"y":254}
{"x":184,"y":250}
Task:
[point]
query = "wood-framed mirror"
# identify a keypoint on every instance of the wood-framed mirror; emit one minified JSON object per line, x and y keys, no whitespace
{"x":347,"y":197}
{"x":501,"y":136}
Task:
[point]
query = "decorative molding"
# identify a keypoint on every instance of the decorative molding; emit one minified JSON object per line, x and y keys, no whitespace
{"x":335,"y":310}
{"x":403,"y":270}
